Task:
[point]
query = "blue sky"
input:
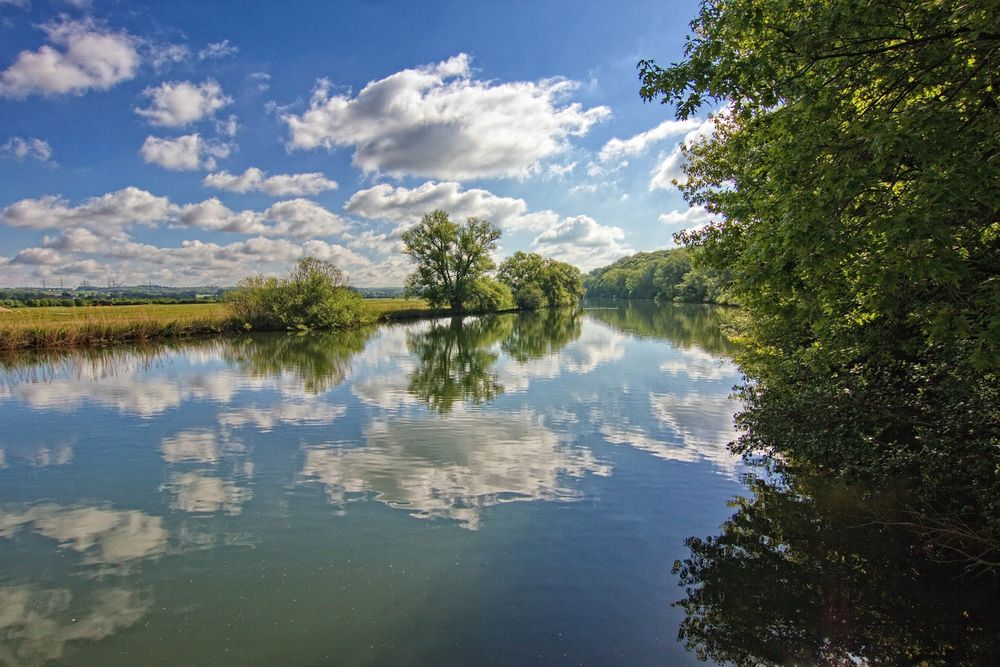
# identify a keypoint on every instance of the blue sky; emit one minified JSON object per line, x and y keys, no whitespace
{"x":191,"y":143}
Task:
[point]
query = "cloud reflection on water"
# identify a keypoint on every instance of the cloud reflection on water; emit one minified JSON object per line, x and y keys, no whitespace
{"x":453,"y":468}
{"x":36,"y":624}
{"x":103,"y":535}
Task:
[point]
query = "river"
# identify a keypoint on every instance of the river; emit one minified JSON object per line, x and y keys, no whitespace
{"x":505,"y":489}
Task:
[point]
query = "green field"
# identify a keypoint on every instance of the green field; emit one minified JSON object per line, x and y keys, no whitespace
{"x":57,"y":326}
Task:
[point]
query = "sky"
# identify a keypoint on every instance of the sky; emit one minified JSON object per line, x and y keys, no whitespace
{"x":193,"y":143}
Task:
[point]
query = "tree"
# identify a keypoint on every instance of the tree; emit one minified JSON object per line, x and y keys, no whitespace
{"x":852,"y":179}
{"x":854,"y":169}
{"x":314,"y":362}
{"x":450,"y":258}
{"x":456,"y":357}
{"x":537,"y":282}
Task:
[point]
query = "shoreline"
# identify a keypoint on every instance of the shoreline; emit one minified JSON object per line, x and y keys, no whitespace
{"x":92,"y":329}
{"x":88,"y":327}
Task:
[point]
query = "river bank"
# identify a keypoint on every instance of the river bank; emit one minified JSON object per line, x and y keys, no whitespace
{"x":99,"y":326}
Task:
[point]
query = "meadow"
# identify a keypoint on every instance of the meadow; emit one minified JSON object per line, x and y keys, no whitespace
{"x":58,"y":326}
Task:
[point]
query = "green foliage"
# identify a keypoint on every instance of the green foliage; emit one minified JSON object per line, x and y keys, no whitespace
{"x":313,"y":296}
{"x":536,"y":334}
{"x":489,"y":296}
{"x":455,"y":361}
{"x":537,"y":282}
{"x":451,"y":258}
{"x":852,"y":174}
{"x":16,"y":297}
{"x":855,"y":175}
{"x":665,"y":275}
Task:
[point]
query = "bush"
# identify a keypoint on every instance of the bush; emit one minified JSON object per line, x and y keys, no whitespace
{"x":488,"y":296}
{"x":313,"y":296}
{"x":531,"y":297}
{"x":537,"y":282}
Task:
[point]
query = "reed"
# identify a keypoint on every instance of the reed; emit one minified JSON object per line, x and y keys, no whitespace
{"x":102,"y":326}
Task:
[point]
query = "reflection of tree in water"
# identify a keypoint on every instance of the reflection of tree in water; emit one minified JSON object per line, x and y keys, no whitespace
{"x":456,"y":356}
{"x":811,"y":576}
{"x":320,"y":360}
{"x":682,"y":325}
{"x":541,"y":332}
{"x":455,"y":361}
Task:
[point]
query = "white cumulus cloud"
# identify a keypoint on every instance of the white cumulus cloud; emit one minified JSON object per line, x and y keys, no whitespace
{"x":302,"y":218}
{"x":82,"y":55}
{"x":670,"y":166}
{"x":437,"y":121}
{"x":37,"y":256}
{"x":185,"y":153}
{"x":583,"y":241}
{"x":298,"y":218}
{"x":114,"y":210}
{"x":278,"y":185}
{"x":180,"y":103}
{"x":406,"y":206}
{"x":693,"y":218}
{"x":87,"y":226}
{"x":616,"y":148}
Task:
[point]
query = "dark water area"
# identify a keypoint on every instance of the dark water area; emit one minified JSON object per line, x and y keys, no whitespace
{"x":542,"y":488}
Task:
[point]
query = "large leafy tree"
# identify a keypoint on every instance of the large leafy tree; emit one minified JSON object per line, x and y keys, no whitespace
{"x":853,"y":170}
{"x":853,"y":176}
{"x":452,"y":259}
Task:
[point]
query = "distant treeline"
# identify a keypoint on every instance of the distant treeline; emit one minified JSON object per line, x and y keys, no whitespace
{"x":665,"y":275}
{"x":21,"y":297}
{"x":96,"y":301}
{"x":379,"y":292}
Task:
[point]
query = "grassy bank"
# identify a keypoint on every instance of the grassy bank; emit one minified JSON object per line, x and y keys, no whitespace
{"x":97,"y":326}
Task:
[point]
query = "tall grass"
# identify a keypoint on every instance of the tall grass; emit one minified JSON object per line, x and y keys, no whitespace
{"x":103,"y":326}
{"x":98,"y":333}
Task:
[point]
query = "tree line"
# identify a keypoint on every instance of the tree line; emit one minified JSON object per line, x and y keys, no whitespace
{"x":664,"y":275}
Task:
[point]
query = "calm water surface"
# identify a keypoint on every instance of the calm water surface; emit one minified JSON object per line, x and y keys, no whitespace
{"x":505,"y":489}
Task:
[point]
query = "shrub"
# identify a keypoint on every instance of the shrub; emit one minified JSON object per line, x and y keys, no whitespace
{"x":531,"y":297}
{"x":488,"y":295}
{"x":313,"y":296}
{"x":537,"y":282}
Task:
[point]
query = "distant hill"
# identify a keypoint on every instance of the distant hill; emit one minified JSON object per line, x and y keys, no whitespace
{"x":667,"y":275}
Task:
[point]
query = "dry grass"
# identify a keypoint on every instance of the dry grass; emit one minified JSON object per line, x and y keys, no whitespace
{"x":97,"y":326}
{"x":49,"y":327}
